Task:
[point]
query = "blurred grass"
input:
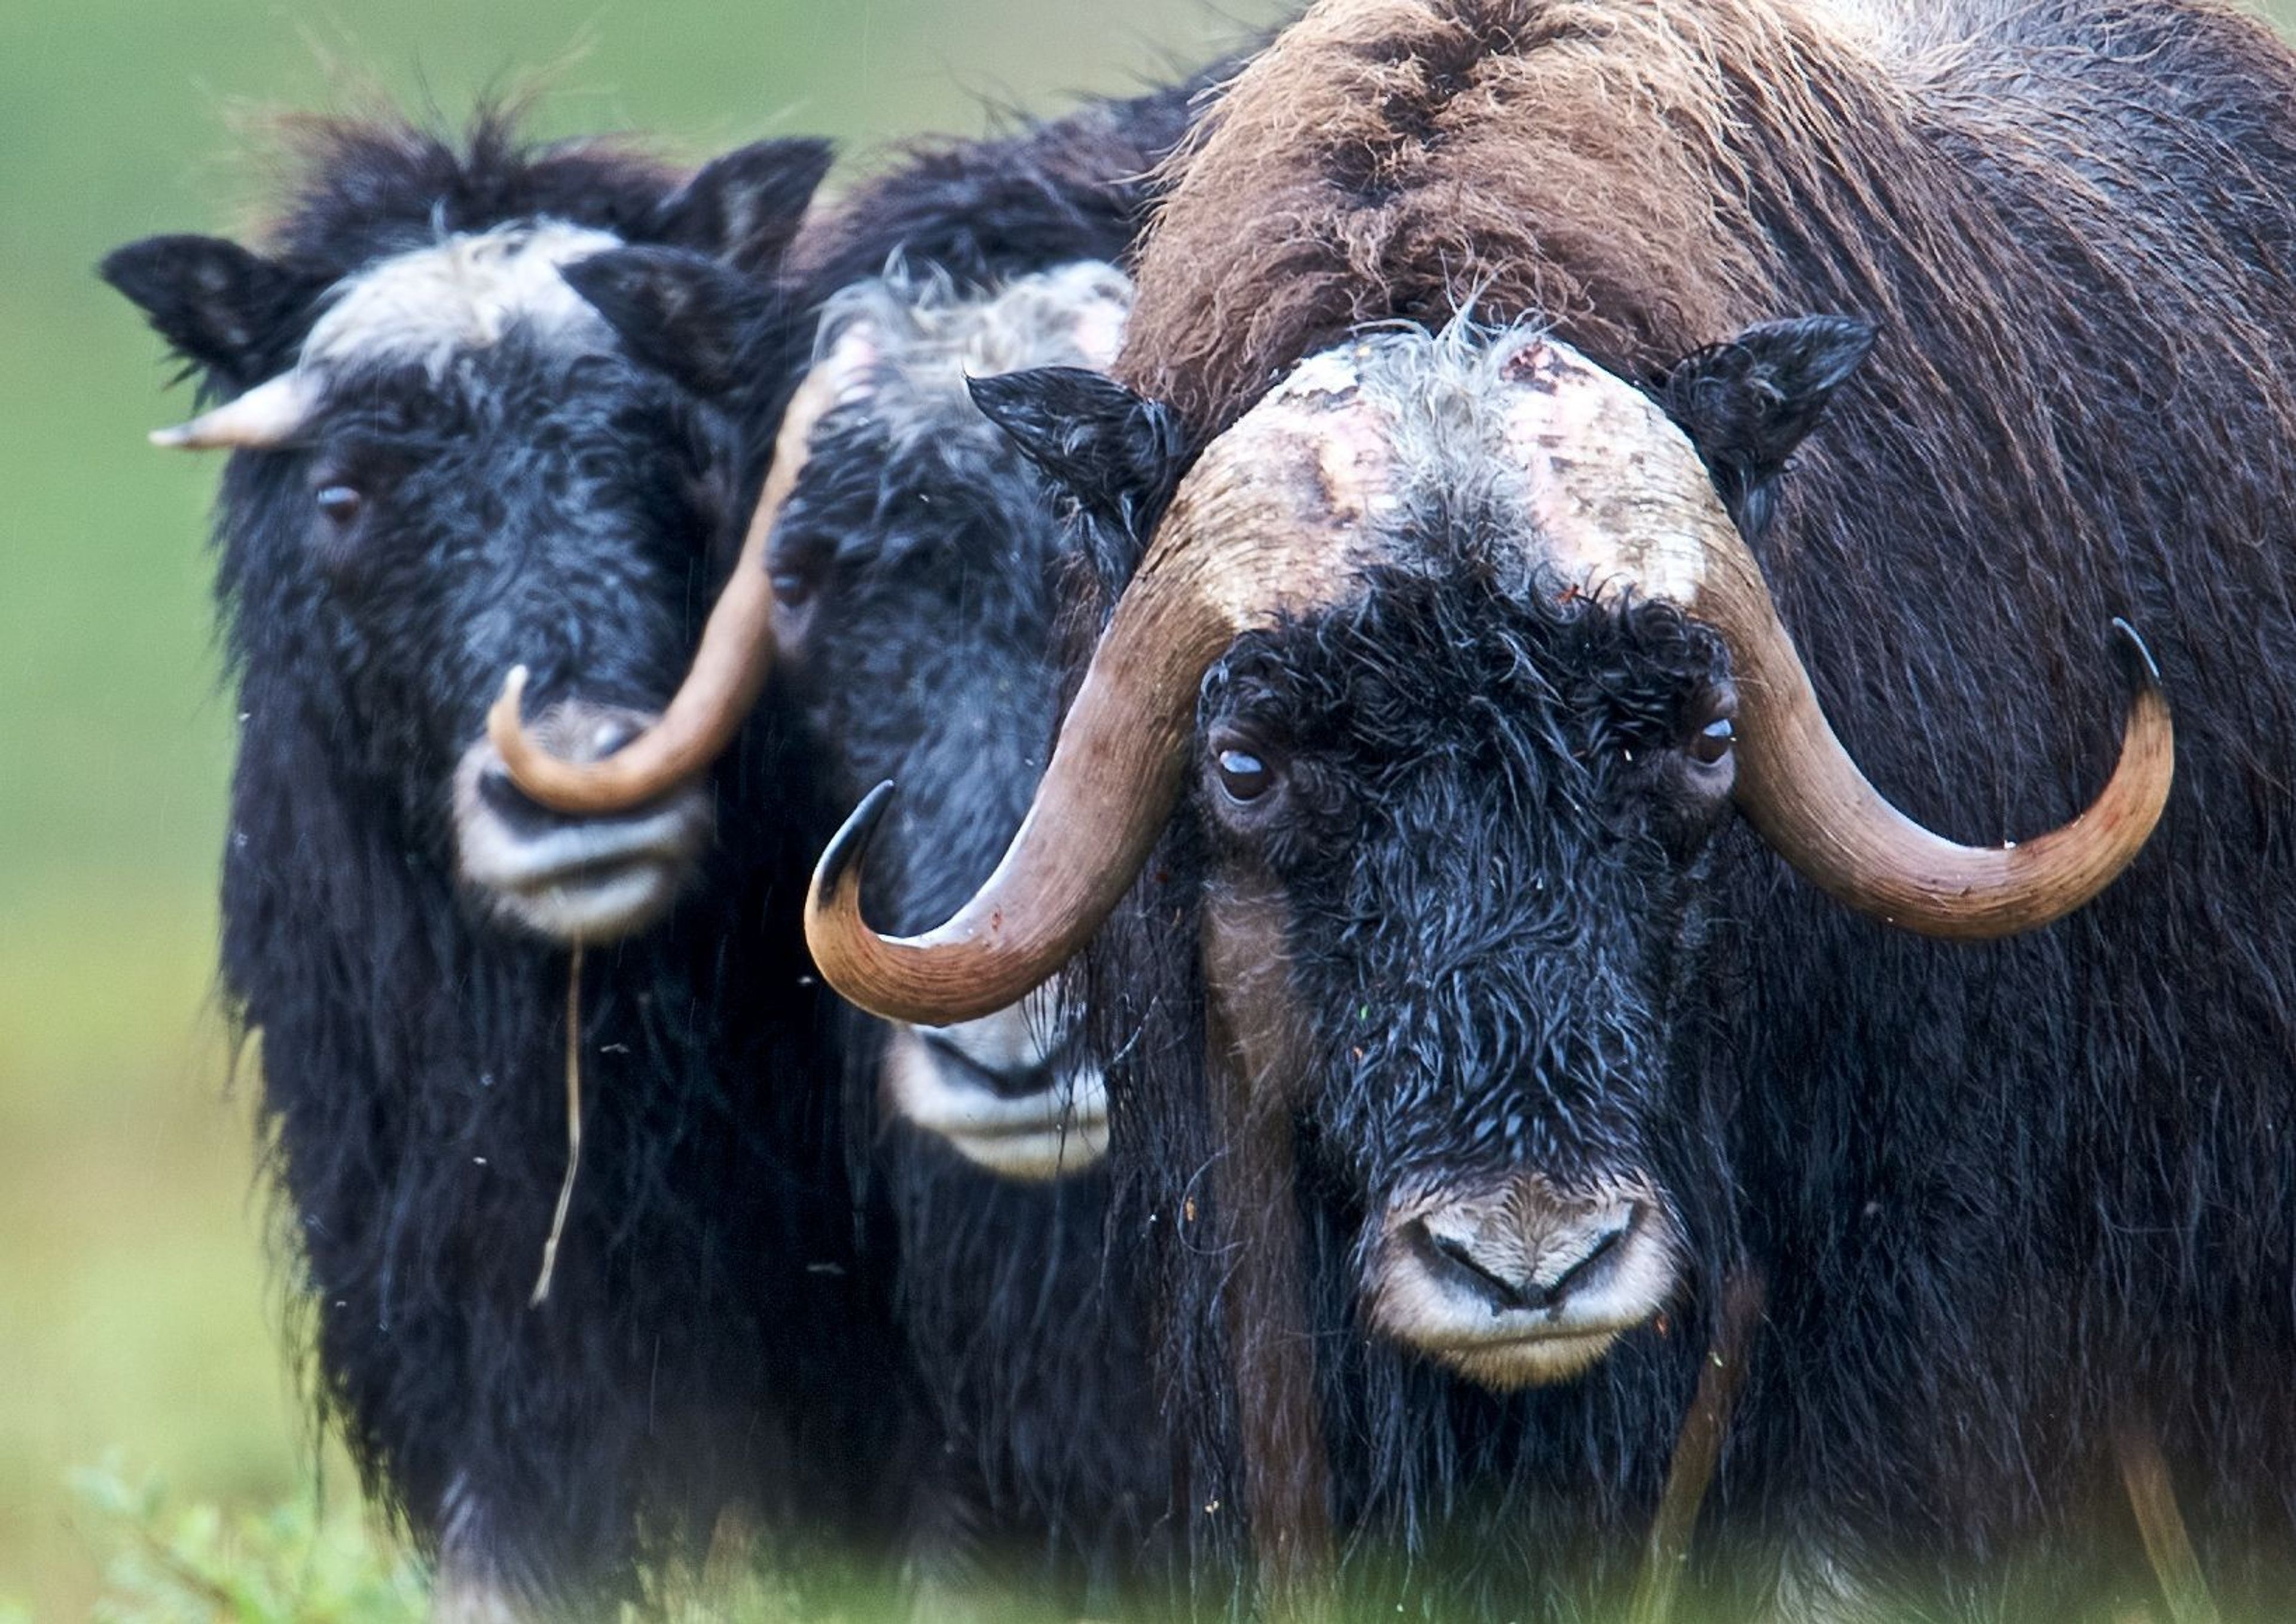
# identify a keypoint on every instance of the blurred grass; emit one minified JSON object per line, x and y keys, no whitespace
{"x":135,"y":1305}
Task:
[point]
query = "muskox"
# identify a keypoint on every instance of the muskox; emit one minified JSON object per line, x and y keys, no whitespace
{"x":446,"y":460}
{"x":919,"y":569}
{"x":1408,"y":764}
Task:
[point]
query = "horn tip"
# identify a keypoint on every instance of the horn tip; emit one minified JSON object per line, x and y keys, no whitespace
{"x":2135,"y":657}
{"x":506,"y":717}
{"x":176,"y":439}
{"x":842,"y":859}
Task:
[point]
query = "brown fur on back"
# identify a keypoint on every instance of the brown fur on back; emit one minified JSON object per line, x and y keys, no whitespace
{"x":1407,"y":158}
{"x":1648,"y":175}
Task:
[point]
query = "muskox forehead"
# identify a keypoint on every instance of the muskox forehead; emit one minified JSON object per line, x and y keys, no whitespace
{"x":463,"y":292}
{"x":1511,"y":448}
{"x":922,"y":337}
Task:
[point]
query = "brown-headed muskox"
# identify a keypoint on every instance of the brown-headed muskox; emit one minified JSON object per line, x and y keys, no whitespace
{"x":1411,"y":748}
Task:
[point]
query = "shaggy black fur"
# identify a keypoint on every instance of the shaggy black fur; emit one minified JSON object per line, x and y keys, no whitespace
{"x":2005,"y":1195}
{"x":715,"y":1335}
{"x":935,"y":660}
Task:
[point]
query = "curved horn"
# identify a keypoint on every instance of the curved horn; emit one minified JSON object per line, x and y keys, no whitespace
{"x":265,"y":416}
{"x":1271,"y":518}
{"x":729,"y":667}
{"x":1613,"y":499}
{"x":1800,"y":790}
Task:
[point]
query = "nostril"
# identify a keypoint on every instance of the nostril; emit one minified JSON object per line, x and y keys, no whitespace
{"x":1577,"y":1274}
{"x":1454,"y":1257}
{"x":1027,"y":1082}
{"x":511,"y":805}
{"x":1511,"y":1273}
{"x":1018,"y":1083}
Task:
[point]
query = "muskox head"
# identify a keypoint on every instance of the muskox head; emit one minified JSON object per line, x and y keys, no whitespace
{"x":917,"y":574}
{"x":450,"y":462}
{"x":1453,"y":662}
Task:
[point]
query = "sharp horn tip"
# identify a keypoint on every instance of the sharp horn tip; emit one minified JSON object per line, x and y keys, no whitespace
{"x":174,"y":439}
{"x":506,"y":717}
{"x":842,"y":858}
{"x":2143,"y":670}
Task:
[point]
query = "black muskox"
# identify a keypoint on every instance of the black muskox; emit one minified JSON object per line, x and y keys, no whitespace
{"x":448,"y":460}
{"x":919,"y":569}
{"x":1420,"y":726}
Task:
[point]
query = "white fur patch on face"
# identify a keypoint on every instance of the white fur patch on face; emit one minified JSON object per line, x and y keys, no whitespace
{"x":1514,"y":1282}
{"x":958,"y":1082}
{"x":926,"y":338}
{"x":463,"y":292}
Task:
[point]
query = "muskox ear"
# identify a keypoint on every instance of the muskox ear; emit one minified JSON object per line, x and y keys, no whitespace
{"x":745,"y":207}
{"x":1748,"y":402}
{"x":1117,"y":453}
{"x":224,"y":309}
{"x":684,"y":312}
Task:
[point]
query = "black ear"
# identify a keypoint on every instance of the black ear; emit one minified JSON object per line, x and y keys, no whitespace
{"x":219,"y":306}
{"x":685,"y":313}
{"x":745,"y":207}
{"x":1748,"y":402}
{"x":1117,"y":453}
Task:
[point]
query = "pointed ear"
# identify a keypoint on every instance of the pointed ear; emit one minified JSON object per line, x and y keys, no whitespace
{"x":1748,"y":402}
{"x":676,"y":310}
{"x":1117,"y":453}
{"x":219,"y":306}
{"x":745,"y":207}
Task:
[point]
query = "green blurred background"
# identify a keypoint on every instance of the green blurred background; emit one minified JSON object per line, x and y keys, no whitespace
{"x":138,"y":1311}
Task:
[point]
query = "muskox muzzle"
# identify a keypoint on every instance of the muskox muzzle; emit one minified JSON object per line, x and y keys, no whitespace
{"x":571,"y":878}
{"x":1515,"y":1280}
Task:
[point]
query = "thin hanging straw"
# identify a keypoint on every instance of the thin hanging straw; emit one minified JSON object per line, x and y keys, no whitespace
{"x":573,"y":1126}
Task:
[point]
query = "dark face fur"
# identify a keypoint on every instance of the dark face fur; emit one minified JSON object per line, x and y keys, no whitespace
{"x":466,"y":467}
{"x":1457,"y":836}
{"x":536,"y":504}
{"x":1480,"y":826}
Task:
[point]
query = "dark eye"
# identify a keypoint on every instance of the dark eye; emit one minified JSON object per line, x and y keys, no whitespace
{"x":1243,"y":774}
{"x":796,"y":567}
{"x":1712,"y":741}
{"x":792,"y":587}
{"x":338,"y":502}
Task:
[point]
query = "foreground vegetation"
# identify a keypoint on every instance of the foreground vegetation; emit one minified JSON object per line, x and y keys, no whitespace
{"x":320,"y":1558}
